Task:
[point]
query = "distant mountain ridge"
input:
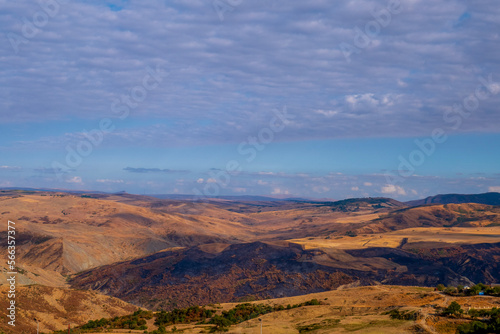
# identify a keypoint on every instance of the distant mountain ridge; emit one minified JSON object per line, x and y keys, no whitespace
{"x":252,"y":198}
{"x":491,"y":198}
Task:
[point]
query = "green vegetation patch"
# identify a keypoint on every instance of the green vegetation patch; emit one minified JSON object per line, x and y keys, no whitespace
{"x":183,"y":316}
{"x":375,"y":323}
{"x":325,"y":324}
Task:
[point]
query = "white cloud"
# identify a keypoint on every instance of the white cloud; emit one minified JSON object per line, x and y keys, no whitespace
{"x":401,"y":83}
{"x":262,"y":183}
{"x":266,"y":173}
{"x":200,"y":180}
{"x":494,"y":189}
{"x":327,"y":113}
{"x":75,"y":180}
{"x":368,"y":184}
{"x":362,"y":99}
{"x":393,"y":189}
{"x":109,"y":181}
{"x":10,"y":168}
{"x":355,"y":188}
{"x":279,"y":191}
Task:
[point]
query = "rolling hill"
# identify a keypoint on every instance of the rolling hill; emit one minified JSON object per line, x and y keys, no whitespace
{"x":491,"y":198}
{"x":55,"y":308}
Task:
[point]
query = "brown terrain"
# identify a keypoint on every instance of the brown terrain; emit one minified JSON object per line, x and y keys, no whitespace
{"x":358,"y":310}
{"x":166,"y":253}
{"x":345,"y":310}
{"x":55,"y":308}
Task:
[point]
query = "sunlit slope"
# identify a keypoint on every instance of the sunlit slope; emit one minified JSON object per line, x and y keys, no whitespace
{"x":55,"y":308}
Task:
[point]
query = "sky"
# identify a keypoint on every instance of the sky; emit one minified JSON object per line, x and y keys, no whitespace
{"x":314,"y":99}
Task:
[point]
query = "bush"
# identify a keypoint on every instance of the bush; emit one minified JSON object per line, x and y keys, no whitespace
{"x":183,"y":316}
{"x":312,"y":302}
{"x":351,"y":234}
{"x":454,"y":309}
{"x":403,"y":315}
{"x":221,"y":323}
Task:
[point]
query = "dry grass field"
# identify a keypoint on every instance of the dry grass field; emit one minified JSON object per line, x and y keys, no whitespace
{"x":352,"y":310}
{"x":417,"y":235}
{"x":56,"y":307}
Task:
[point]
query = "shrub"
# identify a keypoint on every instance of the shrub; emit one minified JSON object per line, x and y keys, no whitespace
{"x":454,"y":309}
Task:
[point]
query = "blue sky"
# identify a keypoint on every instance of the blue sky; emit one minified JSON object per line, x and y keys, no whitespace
{"x":285,"y":98}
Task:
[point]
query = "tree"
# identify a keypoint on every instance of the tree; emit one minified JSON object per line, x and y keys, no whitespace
{"x":474,"y":327}
{"x":473,"y":313}
{"x":475,"y":289}
{"x":221,"y":323}
{"x":440,"y":287}
{"x":454,"y":309}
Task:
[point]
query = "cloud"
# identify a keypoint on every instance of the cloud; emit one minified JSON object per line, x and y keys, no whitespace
{"x":110,"y":181}
{"x":362,"y":99}
{"x":279,"y":191}
{"x":152,"y":170}
{"x":75,"y":180}
{"x":494,"y":189}
{"x":393,"y":190}
{"x":10,"y":168}
{"x":355,"y":188}
{"x":267,"y":173}
{"x":327,"y":113}
{"x":226,"y":78}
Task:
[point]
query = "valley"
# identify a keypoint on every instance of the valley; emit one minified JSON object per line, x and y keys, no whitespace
{"x":163,"y":253}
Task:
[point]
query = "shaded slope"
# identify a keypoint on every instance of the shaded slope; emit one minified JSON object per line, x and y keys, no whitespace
{"x":193,"y":276}
{"x":491,"y":198}
{"x":261,"y":270}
